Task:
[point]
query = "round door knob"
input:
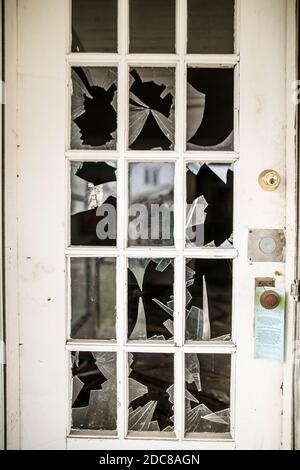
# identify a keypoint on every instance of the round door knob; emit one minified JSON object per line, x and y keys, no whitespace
{"x":270,"y":300}
{"x":269,"y":180}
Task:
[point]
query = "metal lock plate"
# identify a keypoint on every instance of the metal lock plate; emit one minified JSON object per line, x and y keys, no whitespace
{"x":266,"y":246}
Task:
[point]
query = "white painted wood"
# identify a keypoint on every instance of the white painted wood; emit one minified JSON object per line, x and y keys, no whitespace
{"x":2,"y":339}
{"x":39,"y":116}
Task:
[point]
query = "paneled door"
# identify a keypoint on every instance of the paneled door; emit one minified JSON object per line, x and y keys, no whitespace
{"x":136,"y":135}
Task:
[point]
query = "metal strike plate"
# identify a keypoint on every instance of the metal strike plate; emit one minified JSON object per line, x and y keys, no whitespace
{"x":264,"y":282}
{"x":266,"y":246}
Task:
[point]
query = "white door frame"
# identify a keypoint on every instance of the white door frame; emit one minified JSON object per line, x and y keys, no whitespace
{"x":18,"y":266}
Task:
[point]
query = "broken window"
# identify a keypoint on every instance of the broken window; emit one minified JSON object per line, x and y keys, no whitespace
{"x":94,"y":25}
{"x":210,"y":26}
{"x":152,"y":26}
{"x":93,"y":203}
{"x":208,"y":300}
{"x":151,"y":108}
{"x":210,"y":109}
{"x":150,"y":299}
{"x":93,"y":298}
{"x":151,"y":392}
{"x":94,"y":108}
{"x":209,"y":214}
{"x":207,"y":393}
{"x":94,"y":391}
{"x":151,"y":199}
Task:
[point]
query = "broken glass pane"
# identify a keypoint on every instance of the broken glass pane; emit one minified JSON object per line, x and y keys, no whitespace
{"x":150,"y":299}
{"x":210,"y":26}
{"x":207,"y":393}
{"x":94,"y":386}
{"x":151,"y":199}
{"x":94,"y":108}
{"x":210,"y":109}
{"x":208,"y":300}
{"x":94,"y":25}
{"x":152,"y":26}
{"x":93,"y":203}
{"x":152,"y":108}
{"x":151,"y":392}
{"x":93,"y":298}
{"x":209,"y":214}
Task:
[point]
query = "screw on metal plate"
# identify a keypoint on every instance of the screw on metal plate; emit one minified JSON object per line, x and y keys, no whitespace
{"x":269,"y":180}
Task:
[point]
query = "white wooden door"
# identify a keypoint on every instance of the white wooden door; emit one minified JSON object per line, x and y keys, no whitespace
{"x":55,"y":269}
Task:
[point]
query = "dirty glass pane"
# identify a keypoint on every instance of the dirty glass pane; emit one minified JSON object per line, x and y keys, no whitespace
{"x":94,"y":25}
{"x":152,"y":26}
{"x":210,"y":26}
{"x":93,"y":203}
{"x":94,"y":391}
{"x":94,"y":108}
{"x":151,"y":392}
{"x":93,"y":298}
{"x":152,"y":108}
{"x":207,"y":393}
{"x":151,"y":200}
{"x":209,"y":211}
{"x":210,"y":109}
{"x":150,"y":299}
{"x":208,"y":300}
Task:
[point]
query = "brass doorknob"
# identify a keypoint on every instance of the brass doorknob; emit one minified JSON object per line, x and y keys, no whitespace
{"x":270,"y":300}
{"x":269,"y":180}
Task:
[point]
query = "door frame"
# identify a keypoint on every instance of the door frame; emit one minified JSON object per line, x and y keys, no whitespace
{"x":11,"y":225}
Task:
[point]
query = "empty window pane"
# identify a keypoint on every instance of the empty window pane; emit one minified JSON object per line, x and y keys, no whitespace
{"x":208,"y":300}
{"x":94,"y":391}
{"x":150,"y":299}
{"x":93,"y":204}
{"x":210,"y":26}
{"x":151,"y":199}
{"x":151,"y":108}
{"x":152,"y":26}
{"x":94,"y":25}
{"x":207,"y":393}
{"x":93,"y":298}
{"x":210,"y":109}
{"x":209,"y":211}
{"x":94,"y":108}
{"x":151,"y":393}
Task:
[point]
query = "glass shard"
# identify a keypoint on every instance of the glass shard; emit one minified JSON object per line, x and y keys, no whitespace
{"x":210,"y":27}
{"x":210,"y":109}
{"x":150,"y":319}
{"x":93,"y":298}
{"x":208,"y":300}
{"x":94,"y":108}
{"x":152,"y":108}
{"x":94,"y":25}
{"x":151,"y":204}
{"x":152,"y":411}
{"x":93,"y":203}
{"x":207,"y":396}
{"x":94,"y":404}
{"x":152,"y":26}
{"x":209,"y":219}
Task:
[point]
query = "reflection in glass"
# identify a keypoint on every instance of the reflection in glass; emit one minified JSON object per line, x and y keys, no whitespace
{"x":93,"y":203}
{"x":152,"y":26}
{"x":151,"y":108}
{"x":151,"y":199}
{"x":210,"y":26}
{"x":94,"y":391}
{"x":209,"y":212}
{"x":210,"y":109}
{"x":94,"y":108}
{"x":94,"y":25}
{"x":151,"y":392}
{"x":208,"y":300}
{"x":150,"y":299}
{"x":207,"y":393}
{"x":93,"y":298}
